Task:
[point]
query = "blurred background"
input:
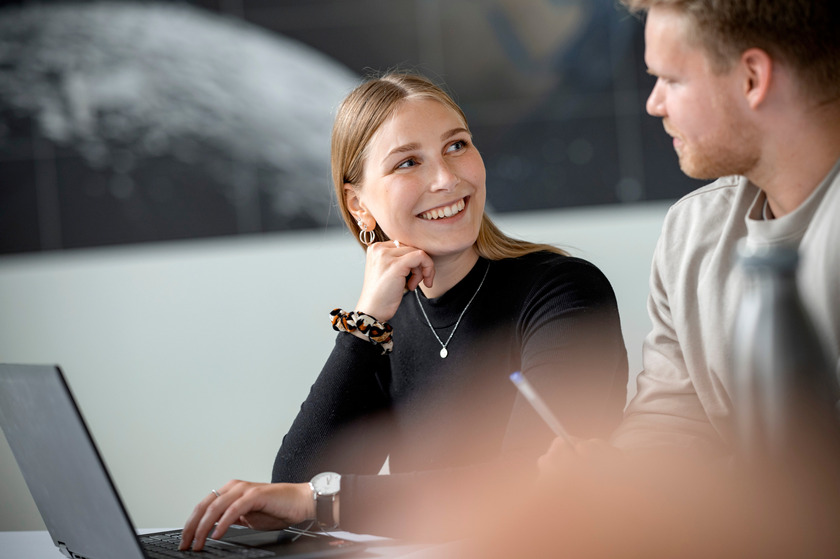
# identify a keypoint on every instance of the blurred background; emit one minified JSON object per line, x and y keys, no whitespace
{"x":132,"y":122}
{"x":167,"y":228}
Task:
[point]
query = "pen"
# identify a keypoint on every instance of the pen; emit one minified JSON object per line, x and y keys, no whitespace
{"x":540,"y":406}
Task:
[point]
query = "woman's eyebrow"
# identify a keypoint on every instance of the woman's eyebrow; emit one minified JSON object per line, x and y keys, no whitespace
{"x":452,"y":132}
{"x":402,"y":149}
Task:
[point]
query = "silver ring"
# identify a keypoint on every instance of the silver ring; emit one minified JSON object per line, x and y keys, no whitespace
{"x":216,"y":493}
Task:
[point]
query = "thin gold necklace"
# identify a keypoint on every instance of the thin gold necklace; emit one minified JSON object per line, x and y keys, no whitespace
{"x":443,"y":351}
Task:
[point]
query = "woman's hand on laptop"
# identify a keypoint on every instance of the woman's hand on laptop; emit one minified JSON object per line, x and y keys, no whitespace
{"x":260,"y":506}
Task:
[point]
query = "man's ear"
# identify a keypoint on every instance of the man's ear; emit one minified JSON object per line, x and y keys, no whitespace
{"x":757,"y":66}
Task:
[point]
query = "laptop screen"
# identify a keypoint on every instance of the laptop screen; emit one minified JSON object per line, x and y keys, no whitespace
{"x":61,"y":465}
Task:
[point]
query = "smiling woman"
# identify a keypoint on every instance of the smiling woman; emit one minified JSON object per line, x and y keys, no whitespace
{"x":421,"y":379}
{"x":423,"y":184}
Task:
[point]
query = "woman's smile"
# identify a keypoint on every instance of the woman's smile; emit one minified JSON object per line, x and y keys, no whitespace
{"x":442,"y":212}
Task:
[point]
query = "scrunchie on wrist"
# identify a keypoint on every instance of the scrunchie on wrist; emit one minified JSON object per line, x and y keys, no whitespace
{"x":379,"y":333}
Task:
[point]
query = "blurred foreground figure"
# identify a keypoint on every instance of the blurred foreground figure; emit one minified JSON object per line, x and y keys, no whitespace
{"x":595,"y":501}
{"x":750,"y":92}
{"x":604,"y":503}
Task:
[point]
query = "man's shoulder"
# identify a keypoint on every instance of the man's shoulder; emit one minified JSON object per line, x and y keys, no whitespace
{"x":723,"y":190}
{"x":709,"y":204}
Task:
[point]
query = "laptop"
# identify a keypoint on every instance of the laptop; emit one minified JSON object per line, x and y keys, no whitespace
{"x":77,"y":498}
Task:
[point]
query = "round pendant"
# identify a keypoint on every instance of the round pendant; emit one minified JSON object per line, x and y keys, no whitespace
{"x":443,"y":353}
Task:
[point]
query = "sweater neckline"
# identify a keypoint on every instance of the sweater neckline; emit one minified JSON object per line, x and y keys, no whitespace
{"x":443,"y":311}
{"x":788,"y":228}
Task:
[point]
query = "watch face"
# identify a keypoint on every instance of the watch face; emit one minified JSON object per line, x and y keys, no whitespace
{"x":326,"y":483}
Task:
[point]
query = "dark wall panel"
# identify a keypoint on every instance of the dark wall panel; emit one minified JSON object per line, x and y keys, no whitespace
{"x":135,"y":122}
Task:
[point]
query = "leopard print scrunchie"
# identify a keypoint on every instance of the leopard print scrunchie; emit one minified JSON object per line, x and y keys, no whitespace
{"x":379,"y":333}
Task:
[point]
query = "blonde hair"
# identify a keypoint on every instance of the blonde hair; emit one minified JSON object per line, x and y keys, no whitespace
{"x":359,"y":117}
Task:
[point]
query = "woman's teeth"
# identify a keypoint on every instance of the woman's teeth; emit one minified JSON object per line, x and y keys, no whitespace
{"x":447,"y":211}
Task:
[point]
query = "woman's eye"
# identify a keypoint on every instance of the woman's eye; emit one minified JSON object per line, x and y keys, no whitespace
{"x":407,"y":163}
{"x":457,"y":145}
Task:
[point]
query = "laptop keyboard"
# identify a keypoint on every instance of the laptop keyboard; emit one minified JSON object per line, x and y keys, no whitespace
{"x":165,"y":546}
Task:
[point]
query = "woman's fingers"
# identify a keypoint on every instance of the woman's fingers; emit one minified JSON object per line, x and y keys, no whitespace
{"x":262,"y":506}
{"x":196,"y":516}
{"x":424,"y":273}
{"x":208,"y":512}
{"x":422,"y":267}
{"x":213,"y":512}
{"x":390,"y":268}
{"x":238,"y":508}
{"x":428,"y":272}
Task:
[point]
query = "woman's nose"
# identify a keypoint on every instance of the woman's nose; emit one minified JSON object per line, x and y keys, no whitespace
{"x":445,"y":177}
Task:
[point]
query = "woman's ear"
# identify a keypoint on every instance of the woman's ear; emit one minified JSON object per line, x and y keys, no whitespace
{"x":758,"y":75}
{"x":351,"y":199}
{"x":359,"y":212}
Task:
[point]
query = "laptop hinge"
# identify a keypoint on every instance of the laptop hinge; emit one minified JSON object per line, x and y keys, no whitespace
{"x":67,"y":553}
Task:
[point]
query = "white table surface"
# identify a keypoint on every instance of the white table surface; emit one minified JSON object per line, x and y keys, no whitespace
{"x":37,"y":544}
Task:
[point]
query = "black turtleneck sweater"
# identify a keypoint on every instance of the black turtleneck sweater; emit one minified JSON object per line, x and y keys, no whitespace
{"x":552,"y":317}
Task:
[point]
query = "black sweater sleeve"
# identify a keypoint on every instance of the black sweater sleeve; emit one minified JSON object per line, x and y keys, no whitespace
{"x":343,"y":424}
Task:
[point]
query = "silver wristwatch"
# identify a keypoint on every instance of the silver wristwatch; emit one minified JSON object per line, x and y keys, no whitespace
{"x":325,"y":487}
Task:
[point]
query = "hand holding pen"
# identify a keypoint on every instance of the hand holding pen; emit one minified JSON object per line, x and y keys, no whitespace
{"x":564,"y":446}
{"x":540,"y":406}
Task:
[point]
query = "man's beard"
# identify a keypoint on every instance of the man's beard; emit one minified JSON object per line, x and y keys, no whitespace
{"x":731,"y":152}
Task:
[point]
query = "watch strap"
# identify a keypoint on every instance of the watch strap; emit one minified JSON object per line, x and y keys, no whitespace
{"x":324,"y":511}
